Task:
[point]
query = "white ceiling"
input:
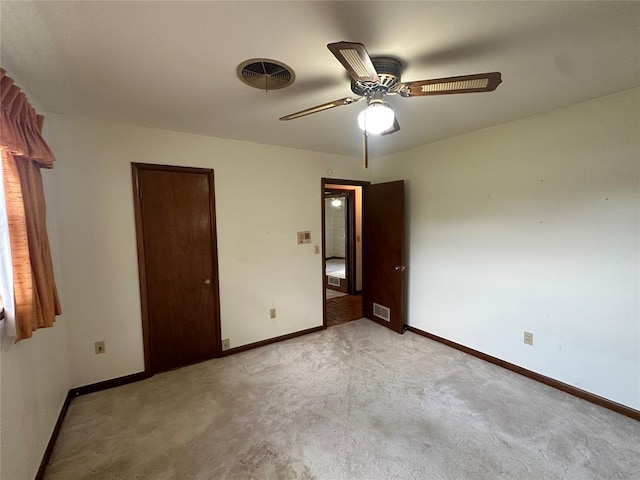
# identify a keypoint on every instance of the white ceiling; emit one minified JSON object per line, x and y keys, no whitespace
{"x":172,"y":65}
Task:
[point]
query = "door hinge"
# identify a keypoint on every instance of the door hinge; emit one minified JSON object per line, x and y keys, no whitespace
{"x":139,"y":192}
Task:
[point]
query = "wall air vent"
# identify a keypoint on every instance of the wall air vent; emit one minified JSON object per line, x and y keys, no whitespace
{"x":382,"y":312}
{"x":265,"y":74}
{"x":333,"y":281}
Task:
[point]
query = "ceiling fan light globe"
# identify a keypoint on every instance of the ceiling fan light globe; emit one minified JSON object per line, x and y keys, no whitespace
{"x":376,"y":118}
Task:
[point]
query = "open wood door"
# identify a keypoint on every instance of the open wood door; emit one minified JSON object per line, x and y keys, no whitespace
{"x":383,"y":254}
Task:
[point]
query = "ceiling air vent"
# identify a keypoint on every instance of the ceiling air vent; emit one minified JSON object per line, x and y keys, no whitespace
{"x":265,"y":74}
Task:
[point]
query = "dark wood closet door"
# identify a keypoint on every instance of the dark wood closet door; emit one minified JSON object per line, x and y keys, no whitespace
{"x":180,"y":281}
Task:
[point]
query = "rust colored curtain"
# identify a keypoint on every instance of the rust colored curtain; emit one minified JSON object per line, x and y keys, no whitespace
{"x":24,"y":153}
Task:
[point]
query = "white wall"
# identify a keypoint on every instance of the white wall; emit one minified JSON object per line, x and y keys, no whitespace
{"x":34,"y":373}
{"x":329,"y":234}
{"x":264,"y":195}
{"x":358,"y":195}
{"x":334,"y":229}
{"x":533,"y":225}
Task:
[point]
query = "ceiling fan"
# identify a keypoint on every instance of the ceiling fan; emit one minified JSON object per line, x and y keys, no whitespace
{"x":377,"y":77}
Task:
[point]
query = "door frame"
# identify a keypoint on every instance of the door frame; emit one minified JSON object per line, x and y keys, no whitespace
{"x":142,"y":273}
{"x":334,"y":181}
{"x":350,"y":234}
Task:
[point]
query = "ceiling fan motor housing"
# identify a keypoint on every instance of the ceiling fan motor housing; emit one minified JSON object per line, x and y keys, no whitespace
{"x":388,"y":69}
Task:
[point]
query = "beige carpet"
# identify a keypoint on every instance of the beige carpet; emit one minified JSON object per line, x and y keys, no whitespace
{"x":355,"y":401}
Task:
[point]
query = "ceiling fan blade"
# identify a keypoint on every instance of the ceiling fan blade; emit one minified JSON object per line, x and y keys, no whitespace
{"x":320,"y":108}
{"x":393,"y":129}
{"x":354,"y":57}
{"x":481,"y":82}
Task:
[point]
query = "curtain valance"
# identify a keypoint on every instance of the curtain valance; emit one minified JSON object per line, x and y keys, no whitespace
{"x":21,"y":126}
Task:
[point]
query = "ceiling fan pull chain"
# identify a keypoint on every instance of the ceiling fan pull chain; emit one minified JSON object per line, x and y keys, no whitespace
{"x":365,"y":151}
{"x":365,"y":144}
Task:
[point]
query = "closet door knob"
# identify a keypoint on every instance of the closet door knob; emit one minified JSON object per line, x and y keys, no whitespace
{"x":207,"y":281}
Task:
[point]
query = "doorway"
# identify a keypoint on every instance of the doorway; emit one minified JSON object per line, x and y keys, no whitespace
{"x":342,"y":250}
{"x":340,"y":240}
{"x":177,"y":264}
{"x":379,"y":293}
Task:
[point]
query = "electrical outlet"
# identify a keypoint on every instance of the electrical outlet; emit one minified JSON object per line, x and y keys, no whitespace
{"x":528,"y":338}
{"x":99,"y":346}
{"x":272,"y":313}
{"x":316,"y":249}
{"x":225,"y":344}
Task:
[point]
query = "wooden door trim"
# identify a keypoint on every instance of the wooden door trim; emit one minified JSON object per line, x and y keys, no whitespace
{"x":142,"y":273}
{"x":331,"y":181}
{"x":350,"y":233}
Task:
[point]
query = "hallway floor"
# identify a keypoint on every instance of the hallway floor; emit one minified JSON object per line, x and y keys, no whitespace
{"x":343,"y":309}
